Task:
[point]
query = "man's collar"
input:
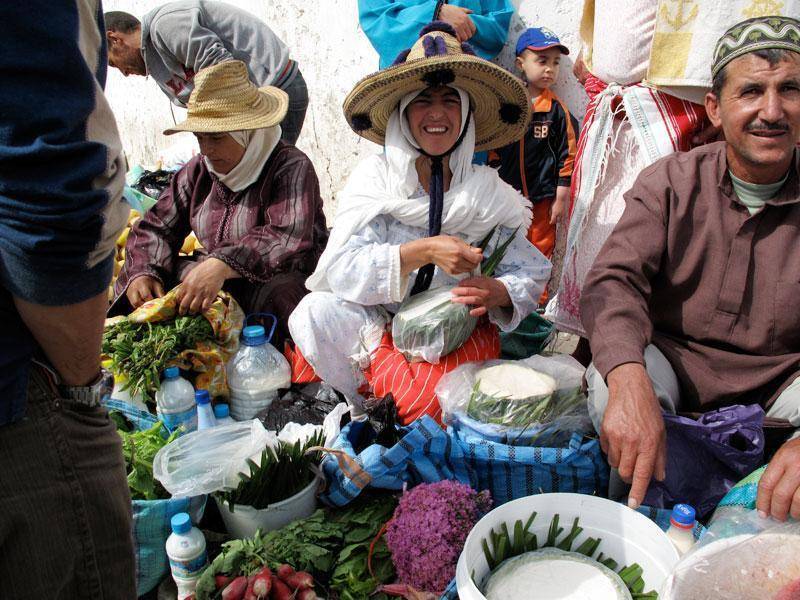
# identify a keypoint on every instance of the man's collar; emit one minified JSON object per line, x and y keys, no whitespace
{"x":788,"y":194}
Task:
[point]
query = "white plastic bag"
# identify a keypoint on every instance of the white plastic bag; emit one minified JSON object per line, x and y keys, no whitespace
{"x":430,"y":325}
{"x":742,"y":556}
{"x":547,"y":416}
{"x":210,"y":460}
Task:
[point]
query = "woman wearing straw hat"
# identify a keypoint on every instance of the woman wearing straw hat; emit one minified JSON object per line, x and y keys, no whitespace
{"x":252,"y":201}
{"x":407,"y":218}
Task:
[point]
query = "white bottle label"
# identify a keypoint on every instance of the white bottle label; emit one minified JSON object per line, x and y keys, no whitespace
{"x":188,"y":569}
{"x":186,"y":418}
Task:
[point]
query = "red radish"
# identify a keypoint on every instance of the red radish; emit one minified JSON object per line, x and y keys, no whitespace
{"x":262,"y":583}
{"x":280,"y":591}
{"x":307,"y":594}
{"x":300,"y":580}
{"x":250,"y":594}
{"x":236,"y":589}
{"x":285,"y":571}
{"x":221,"y":581}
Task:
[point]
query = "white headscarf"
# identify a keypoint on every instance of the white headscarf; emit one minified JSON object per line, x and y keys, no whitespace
{"x":258,"y":144}
{"x":476,"y":201}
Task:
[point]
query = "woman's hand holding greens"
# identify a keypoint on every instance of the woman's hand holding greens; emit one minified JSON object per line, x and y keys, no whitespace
{"x":482,"y":293}
{"x":451,"y":254}
{"x":201,"y":285}
{"x":142,"y":289}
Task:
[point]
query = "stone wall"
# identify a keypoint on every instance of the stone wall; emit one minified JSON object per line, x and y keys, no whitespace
{"x":333,"y":53}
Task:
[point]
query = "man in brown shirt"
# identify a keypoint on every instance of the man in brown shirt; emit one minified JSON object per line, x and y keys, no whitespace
{"x":693,"y":300}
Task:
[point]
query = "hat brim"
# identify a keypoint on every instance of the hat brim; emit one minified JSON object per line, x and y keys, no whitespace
{"x":500,"y":101}
{"x":562,"y":47}
{"x":270,"y":110}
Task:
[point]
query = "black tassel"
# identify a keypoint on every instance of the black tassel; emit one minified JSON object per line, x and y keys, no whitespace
{"x":361,"y":122}
{"x":442,"y":26}
{"x":439,"y":77}
{"x":510,"y":113}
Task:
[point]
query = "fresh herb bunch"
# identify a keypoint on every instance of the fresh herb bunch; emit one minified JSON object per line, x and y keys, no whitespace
{"x":139,"y":448}
{"x":282,"y":472}
{"x":505,"y":546}
{"x":140,"y":351}
{"x":332,"y":545}
{"x":508,"y":412}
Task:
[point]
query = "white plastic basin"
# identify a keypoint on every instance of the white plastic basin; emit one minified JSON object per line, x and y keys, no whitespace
{"x":627,"y":536}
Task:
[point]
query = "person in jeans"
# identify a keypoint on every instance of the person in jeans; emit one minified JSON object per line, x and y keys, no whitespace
{"x":65,"y":508}
{"x":173,"y":42}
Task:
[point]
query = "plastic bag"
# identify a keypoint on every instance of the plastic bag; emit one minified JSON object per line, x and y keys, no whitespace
{"x":742,"y":556}
{"x":429,"y":325}
{"x":543,"y":420}
{"x":708,"y":456}
{"x":210,"y":460}
{"x":309,"y":404}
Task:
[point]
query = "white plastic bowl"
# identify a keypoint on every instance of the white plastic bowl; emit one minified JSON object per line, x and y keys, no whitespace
{"x":245,"y":520}
{"x":627,"y":536}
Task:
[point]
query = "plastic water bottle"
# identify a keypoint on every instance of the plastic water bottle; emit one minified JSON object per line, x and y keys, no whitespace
{"x":175,"y":401}
{"x":186,"y":549}
{"x":255,"y":374}
{"x":681,"y":526}
{"x":222,"y":414}
{"x":205,"y":413}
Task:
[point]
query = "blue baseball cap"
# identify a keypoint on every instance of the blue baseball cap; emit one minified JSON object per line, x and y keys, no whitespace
{"x":539,"y":38}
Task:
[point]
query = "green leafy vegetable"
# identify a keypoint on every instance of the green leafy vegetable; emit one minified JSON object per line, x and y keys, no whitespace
{"x":139,"y":448}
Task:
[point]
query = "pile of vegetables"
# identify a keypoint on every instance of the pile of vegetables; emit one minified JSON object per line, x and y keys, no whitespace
{"x":335,"y":547}
{"x":139,"y":448}
{"x":427,"y":532}
{"x":515,"y":395}
{"x":519,"y":557}
{"x":429,"y":325}
{"x":281,"y":473}
{"x":140,"y":351}
{"x":284,"y":584}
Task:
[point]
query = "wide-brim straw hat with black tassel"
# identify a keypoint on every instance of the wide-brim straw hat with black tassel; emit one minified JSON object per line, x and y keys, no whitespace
{"x":224,"y":99}
{"x":499,"y":100}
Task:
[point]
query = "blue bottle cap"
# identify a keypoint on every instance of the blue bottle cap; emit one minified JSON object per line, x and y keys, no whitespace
{"x":202,"y":397}
{"x":683,"y":514}
{"x":222,"y":411}
{"x":181,"y":523}
{"x":171,"y":373}
{"x":254,"y":335}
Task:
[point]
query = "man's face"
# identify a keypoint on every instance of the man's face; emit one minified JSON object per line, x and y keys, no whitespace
{"x":758,"y":109}
{"x":124,"y":52}
{"x":434,"y":118}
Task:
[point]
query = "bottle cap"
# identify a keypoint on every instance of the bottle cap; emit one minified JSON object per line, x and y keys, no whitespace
{"x":222,"y":411}
{"x":171,"y":373}
{"x":202,"y":397}
{"x":683,"y":515}
{"x":181,"y":523}
{"x":254,"y":335}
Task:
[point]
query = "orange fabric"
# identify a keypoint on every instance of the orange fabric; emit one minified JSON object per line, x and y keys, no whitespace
{"x":302,"y":371}
{"x":572,"y":145}
{"x":542,"y":234}
{"x":413,"y":384}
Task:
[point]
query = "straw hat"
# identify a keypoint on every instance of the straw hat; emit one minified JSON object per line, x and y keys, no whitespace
{"x":224,"y":99}
{"x":499,"y":100}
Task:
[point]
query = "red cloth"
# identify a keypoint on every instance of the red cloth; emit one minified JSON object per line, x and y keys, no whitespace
{"x":412,"y":384}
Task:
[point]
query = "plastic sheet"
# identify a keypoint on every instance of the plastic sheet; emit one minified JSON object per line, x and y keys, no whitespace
{"x":742,"y":556}
{"x":210,"y":460}
{"x":544,"y":421}
{"x":429,"y":325}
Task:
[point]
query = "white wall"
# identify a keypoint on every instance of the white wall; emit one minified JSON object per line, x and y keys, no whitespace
{"x":333,"y":53}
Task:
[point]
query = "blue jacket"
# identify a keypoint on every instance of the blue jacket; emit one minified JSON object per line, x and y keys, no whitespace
{"x":393,"y":25}
{"x":61,"y":171}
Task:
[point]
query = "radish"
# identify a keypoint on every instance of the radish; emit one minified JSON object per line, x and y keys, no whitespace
{"x":307,"y":594}
{"x":280,"y":591}
{"x":262,"y":583}
{"x":221,"y":581}
{"x":300,"y":580}
{"x":236,"y":589}
{"x":249,"y":593}
{"x":285,"y":571}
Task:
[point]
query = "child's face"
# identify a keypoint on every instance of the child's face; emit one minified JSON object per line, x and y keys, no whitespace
{"x":540,"y":67}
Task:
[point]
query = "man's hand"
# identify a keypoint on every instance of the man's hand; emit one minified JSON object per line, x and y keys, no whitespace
{"x":142,"y":289}
{"x":482,"y":293}
{"x":779,"y":488}
{"x":559,"y":206}
{"x":451,"y":254}
{"x":200,"y":286}
{"x":459,"y":18}
{"x":632,"y":433}
{"x":579,"y":69}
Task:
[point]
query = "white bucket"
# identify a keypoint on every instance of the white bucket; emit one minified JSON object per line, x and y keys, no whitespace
{"x":245,"y":520}
{"x":627,"y":536}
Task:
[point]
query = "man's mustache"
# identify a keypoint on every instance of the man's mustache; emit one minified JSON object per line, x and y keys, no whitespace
{"x":766,"y":126}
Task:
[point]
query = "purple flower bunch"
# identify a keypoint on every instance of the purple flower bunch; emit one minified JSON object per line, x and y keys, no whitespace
{"x":428,"y":531}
